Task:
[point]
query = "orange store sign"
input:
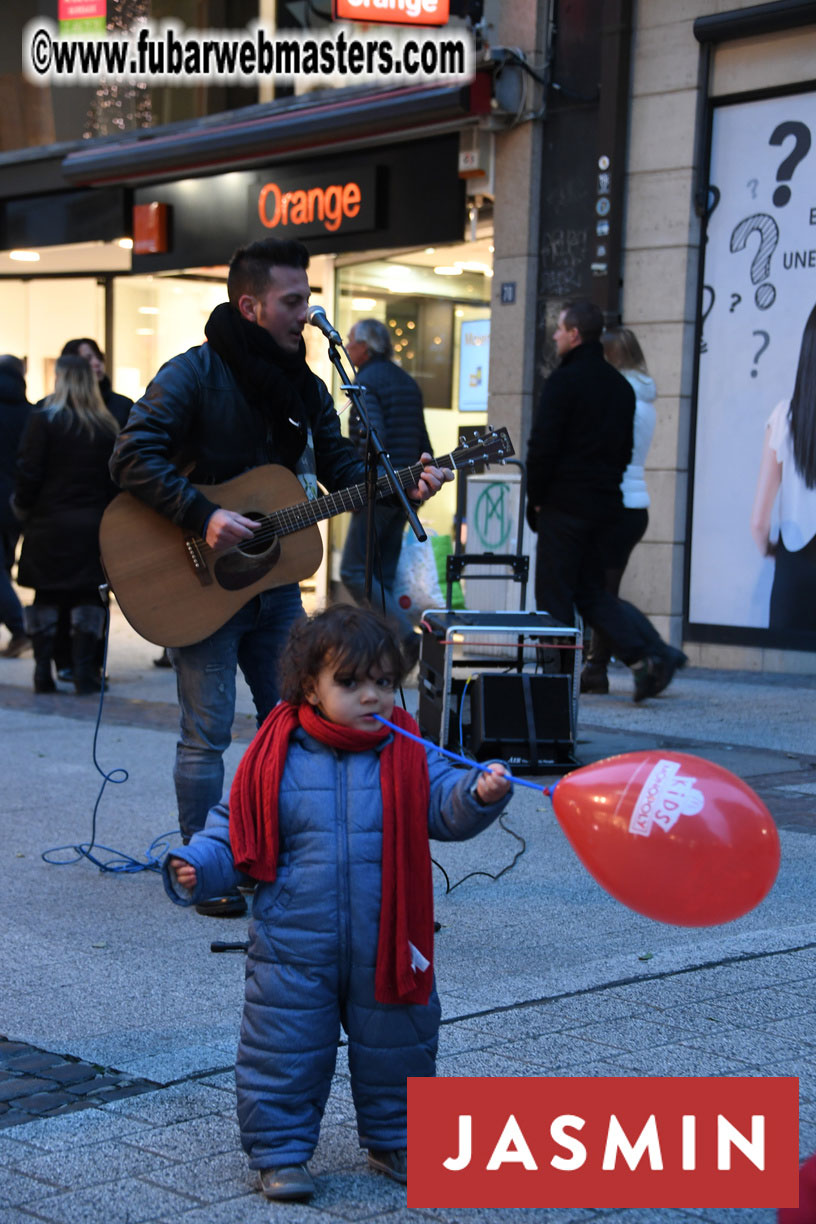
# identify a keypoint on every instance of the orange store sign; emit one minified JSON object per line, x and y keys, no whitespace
{"x":395,"y":12}
{"x":324,"y":205}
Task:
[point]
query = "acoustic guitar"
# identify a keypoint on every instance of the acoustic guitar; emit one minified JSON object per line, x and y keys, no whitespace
{"x":175,"y":590}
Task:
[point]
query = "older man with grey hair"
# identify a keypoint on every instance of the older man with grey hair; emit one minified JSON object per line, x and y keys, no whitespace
{"x":394,"y":403}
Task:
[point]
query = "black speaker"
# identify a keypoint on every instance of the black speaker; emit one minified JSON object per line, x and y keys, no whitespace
{"x":524,"y":719}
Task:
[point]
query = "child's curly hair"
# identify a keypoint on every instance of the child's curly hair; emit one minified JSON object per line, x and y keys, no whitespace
{"x":351,"y":639}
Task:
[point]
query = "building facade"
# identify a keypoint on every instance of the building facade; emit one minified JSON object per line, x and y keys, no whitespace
{"x":634,"y":151}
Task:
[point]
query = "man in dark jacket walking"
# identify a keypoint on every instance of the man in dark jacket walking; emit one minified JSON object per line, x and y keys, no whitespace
{"x":580,"y":444}
{"x":14,"y":413}
{"x":394,"y":403}
{"x":244,"y":399}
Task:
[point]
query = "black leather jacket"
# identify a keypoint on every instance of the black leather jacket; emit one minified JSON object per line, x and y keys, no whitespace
{"x":193,"y":413}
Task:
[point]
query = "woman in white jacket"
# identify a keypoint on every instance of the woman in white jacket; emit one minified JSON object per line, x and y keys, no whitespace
{"x":622,"y":350}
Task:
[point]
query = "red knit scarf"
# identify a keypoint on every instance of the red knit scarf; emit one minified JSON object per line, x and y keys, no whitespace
{"x":406,"y":907}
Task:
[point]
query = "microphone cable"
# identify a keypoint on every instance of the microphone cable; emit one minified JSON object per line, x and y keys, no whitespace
{"x":120,"y":862}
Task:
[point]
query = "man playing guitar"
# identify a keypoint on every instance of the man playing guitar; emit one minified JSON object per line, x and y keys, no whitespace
{"x":245,"y":398}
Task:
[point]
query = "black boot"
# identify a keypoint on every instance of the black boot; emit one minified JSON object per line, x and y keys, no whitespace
{"x":40,"y":622}
{"x":594,"y":678}
{"x":87,"y":627}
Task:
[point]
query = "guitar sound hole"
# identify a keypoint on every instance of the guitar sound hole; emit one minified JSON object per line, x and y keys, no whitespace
{"x":255,"y":548}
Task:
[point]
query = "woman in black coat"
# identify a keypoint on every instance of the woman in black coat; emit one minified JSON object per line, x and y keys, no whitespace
{"x":62,"y":487}
{"x":118,"y":405}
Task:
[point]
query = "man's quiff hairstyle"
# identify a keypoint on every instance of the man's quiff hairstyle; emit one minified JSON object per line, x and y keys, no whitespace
{"x":250,"y":265}
{"x":375,"y":336}
{"x":587,"y":317}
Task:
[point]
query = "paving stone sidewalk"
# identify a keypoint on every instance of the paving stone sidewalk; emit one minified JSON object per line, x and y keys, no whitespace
{"x":541,"y":973}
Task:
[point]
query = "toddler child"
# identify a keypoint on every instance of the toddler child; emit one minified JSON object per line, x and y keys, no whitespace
{"x":331,"y":813}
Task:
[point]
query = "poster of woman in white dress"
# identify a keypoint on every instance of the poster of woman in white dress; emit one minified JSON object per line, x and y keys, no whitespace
{"x":753,"y":501}
{"x":786,"y":492}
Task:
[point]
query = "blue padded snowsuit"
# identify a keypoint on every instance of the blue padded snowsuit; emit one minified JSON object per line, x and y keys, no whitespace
{"x":313,"y":944}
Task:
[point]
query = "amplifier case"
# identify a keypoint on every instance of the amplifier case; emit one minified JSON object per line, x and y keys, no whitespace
{"x":524,"y":719}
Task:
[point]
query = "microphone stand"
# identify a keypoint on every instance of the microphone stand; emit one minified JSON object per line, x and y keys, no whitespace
{"x":375,"y":455}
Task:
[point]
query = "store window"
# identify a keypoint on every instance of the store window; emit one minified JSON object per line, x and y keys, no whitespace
{"x":37,"y":316}
{"x":35,"y":115}
{"x":156,"y":317}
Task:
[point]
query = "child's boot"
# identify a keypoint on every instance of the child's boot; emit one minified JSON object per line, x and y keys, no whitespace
{"x":393,"y":1164}
{"x":287,"y":1183}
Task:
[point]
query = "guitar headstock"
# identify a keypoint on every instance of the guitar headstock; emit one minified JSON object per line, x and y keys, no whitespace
{"x":483,"y":447}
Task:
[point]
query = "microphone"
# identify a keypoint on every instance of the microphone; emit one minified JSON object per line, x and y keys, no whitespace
{"x":316,"y":315}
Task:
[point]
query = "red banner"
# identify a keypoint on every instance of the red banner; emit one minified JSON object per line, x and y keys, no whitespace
{"x":627,"y":1142}
{"x":80,"y":10}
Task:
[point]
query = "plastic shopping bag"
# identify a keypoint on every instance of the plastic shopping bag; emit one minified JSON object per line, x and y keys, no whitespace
{"x":416,"y":585}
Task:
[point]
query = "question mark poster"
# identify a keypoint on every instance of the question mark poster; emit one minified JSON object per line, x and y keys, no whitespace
{"x":759,"y":286}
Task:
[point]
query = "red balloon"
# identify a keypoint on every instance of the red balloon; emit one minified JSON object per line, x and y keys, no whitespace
{"x":670,"y":835}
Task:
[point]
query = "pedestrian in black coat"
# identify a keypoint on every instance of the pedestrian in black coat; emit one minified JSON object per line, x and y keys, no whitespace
{"x":14,"y":413}
{"x":579,"y":446}
{"x":119,"y":406}
{"x":62,"y":487}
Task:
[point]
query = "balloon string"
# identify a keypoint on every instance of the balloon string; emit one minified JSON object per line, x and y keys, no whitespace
{"x":453,"y":756}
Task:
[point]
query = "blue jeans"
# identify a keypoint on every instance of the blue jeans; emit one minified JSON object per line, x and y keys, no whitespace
{"x":389,"y":522}
{"x":252,"y":639}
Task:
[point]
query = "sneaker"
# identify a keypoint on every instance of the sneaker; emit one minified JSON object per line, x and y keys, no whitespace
{"x":17,"y":644}
{"x":231,"y":905}
{"x":287,"y":1182}
{"x":393,"y":1164}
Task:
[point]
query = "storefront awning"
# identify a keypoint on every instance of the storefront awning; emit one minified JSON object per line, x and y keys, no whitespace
{"x":327,"y":122}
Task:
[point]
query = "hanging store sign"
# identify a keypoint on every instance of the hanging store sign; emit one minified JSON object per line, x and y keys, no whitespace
{"x":82,"y":16}
{"x":306,"y":206}
{"x":394,"y":12}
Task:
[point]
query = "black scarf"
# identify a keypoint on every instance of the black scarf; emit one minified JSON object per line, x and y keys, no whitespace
{"x":277,"y":384}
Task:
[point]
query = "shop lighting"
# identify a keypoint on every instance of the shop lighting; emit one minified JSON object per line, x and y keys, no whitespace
{"x":410,"y":324}
{"x":126,"y":244}
{"x":151,"y":310}
{"x":144,"y":331}
{"x":472,"y":265}
{"x":430,"y":250}
{"x":448,"y":270}
{"x":25,"y":256}
{"x":363,"y":303}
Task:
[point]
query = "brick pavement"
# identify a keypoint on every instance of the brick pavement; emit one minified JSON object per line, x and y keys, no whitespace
{"x":169,"y":1151}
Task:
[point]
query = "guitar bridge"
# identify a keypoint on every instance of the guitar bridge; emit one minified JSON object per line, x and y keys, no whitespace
{"x":194,"y":546}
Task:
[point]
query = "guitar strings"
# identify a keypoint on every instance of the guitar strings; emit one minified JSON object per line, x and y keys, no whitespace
{"x":289,"y":519}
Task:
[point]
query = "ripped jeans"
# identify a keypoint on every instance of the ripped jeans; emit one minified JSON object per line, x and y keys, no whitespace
{"x":252,"y":639}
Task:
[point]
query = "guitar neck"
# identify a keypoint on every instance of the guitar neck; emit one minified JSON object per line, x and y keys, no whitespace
{"x":306,"y":514}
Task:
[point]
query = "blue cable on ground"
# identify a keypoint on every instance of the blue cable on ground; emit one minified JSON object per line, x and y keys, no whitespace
{"x":120,"y":862}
